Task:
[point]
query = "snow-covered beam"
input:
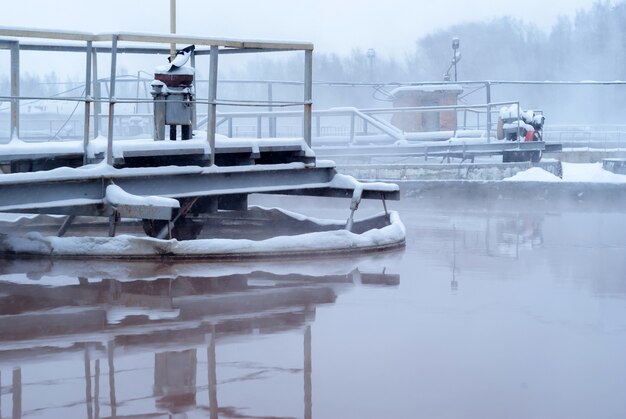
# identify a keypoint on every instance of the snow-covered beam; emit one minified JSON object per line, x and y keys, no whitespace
{"x":134,"y":206}
{"x":64,"y":189}
{"x":154,"y":38}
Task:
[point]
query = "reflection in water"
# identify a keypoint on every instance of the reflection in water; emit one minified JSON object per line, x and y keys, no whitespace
{"x":536,"y":328}
{"x":501,"y":236}
{"x":56,"y":316}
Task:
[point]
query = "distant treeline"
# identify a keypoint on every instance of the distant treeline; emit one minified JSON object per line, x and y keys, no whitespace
{"x":591,"y":46}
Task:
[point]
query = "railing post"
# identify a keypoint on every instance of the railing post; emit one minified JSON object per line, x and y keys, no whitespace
{"x":87,"y":101}
{"x":488,"y":93}
{"x":212,"y":115}
{"x":97,"y":108}
{"x":318,"y":126}
{"x":352,"y":126}
{"x":16,"y":389}
{"x":259,"y":127}
{"x":230,"y":127}
{"x":112,"y":99}
{"x":308,"y":96}
{"x":15,"y":90}
{"x":518,"y":117}
{"x":272,"y":119}
{"x":194,"y":115}
{"x":308,"y":386}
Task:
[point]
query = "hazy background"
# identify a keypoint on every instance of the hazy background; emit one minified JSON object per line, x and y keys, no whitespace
{"x":391,"y":27}
{"x":530,"y":40}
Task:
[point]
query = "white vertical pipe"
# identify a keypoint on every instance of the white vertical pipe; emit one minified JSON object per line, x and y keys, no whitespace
{"x":172,"y":26}
{"x":308,"y":96}
{"x":97,"y":107}
{"x":87,"y":100}
{"x":112,"y":99}
{"x":212,"y":116}
{"x":15,"y":90}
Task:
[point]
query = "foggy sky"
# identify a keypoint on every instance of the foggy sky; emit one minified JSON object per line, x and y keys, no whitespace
{"x":391,"y":26}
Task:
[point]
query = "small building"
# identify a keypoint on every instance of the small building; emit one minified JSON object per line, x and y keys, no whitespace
{"x":426,"y":95}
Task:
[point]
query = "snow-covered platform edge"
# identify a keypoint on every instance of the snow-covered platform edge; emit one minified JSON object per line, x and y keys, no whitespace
{"x":338,"y":241}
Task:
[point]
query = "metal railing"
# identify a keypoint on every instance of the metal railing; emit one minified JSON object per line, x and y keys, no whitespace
{"x":598,"y":136}
{"x":358,"y":125}
{"x":92,"y":44}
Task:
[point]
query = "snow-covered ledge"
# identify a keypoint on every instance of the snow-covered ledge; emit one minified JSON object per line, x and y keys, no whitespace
{"x":129,"y":247}
{"x":133,"y":206}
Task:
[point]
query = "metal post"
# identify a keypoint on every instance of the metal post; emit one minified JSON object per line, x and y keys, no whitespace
{"x":272,"y":122}
{"x":259,"y":127}
{"x":518,"y":117}
{"x":173,"y":26}
{"x":318,"y":126}
{"x":88,"y":396}
{"x":112,"y":399}
{"x":212,"y":372}
{"x":16,"y":389}
{"x":15,"y":90}
{"x":137,"y":91}
{"x":308,"y":386}
{"x":212,"y":115}
{"x":112,"y":100}
{"x":97,"y":109}
{"x":87,"y":100}
{"x":488,"y":93}
{"x":352,"y":127}
{"x":96,"y":391}
{"x":308,"y":95}
{"x":194,"y":115}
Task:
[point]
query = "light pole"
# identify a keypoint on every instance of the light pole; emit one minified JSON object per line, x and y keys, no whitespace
{"x":371,"y":54}
{"x":456,"y":57}
{"x":173,"y":26}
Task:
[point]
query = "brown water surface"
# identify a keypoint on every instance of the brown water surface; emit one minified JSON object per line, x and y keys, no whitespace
{"x":514,"y":313}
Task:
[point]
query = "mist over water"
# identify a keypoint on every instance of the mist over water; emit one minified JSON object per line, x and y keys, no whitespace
{"x":503,"y":308}
{"x":486,"y":313}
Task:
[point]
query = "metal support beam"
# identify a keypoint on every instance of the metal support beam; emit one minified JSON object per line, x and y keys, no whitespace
{"x":97,"y":109}
{"x":112,"y":100}
{"x":87,"y":100}
{"x":88,"y":395}
{"x":212,"y":112}
{"x":110,"y":358}
{"x":172,"y":27}
{"x":308,"y":386}
{"x":488,"y":97}
{"x":212,"y":372}
{"x":16,"y":389}
{"x":194,"y":115}
{"x":66,"y":225}
{"x":352,"y":127}
{"x":74,"y":196}
{"x":96,"y":391}
{"x":270,"y":108}
{"x":308,"y":95}
{"x":113,"y":220}
{"x":15,"y":90}
{"x":318,"y":126}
